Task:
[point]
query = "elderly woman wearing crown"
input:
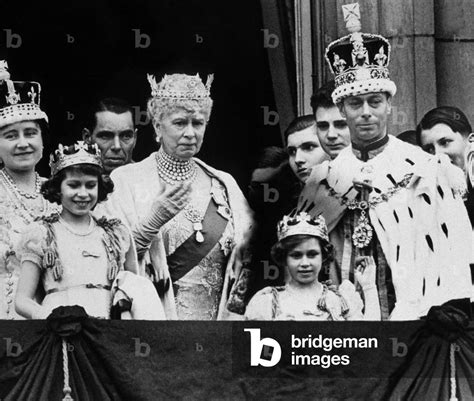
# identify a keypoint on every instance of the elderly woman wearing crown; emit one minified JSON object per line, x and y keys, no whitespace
{"x":76,"y":258}
{"x":22,"y":126}
{"x":303,"y":249}
{"x":188,"y":218}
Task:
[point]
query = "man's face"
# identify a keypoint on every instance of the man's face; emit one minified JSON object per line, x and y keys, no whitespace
{"x":116,"y":137}
{"x":366,"y":116}
{"x":332,"y":129}
{"x":304,"y":152}
{"x":442,"y":139}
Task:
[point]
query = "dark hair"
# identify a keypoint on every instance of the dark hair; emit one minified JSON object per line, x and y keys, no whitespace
{"x":280,"y":251}
{"x":272,"y":156}
{"x":322,"y":97}
{"x":451,"y":116}
{"x":408,"y":136}
{"x":299,"y":124}
{"x":51,"y":188}
{"x":113,"y":104}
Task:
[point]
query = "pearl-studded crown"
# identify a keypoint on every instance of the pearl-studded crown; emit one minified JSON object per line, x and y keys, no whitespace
{"x":359,"y":61}
{"x":181,"y":87}
{"x":302,"y":223}
{"x":79,"y":153}
{"x":19,"y":100}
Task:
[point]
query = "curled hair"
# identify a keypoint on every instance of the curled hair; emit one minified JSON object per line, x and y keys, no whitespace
{"x":51,"y":188}
{"x":158,"y":107}
{"x":281,"y":249}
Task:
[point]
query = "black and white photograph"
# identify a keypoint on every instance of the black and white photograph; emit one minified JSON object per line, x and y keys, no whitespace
{"x":255,"y":200}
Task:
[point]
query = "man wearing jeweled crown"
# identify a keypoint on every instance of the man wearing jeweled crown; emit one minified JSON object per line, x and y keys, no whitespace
{"x":385,"y":198}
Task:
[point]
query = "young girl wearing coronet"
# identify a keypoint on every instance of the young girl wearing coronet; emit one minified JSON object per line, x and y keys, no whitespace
{"x":78,"y":258}
{"x":303,"y":249}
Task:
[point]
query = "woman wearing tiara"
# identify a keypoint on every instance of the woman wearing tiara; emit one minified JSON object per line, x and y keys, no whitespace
{"x":303,"y":249}
{"x":22,"y":127}
{"x":188,"y":218}
{"x":75,"y":257}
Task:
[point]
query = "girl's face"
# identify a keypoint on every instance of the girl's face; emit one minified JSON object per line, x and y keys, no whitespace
{"x":79,"y":193}
{"x":304,"y":261}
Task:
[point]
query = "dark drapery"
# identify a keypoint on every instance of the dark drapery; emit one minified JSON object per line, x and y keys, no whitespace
{"x":139,"y":360}
{"x":279,"y":41}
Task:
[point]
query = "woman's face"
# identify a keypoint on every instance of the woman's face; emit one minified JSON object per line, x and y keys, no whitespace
{"x":21,"y":145}
{"x":79,"y":193}
{"x":304,"y":261}
{"x":181,"y":132}
{"x":442,"y":139}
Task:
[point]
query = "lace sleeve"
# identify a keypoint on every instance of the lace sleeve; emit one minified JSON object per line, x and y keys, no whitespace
{"x":33,"y":244}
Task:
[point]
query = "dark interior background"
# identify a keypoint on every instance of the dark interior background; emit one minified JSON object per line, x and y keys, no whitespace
{"x":80,"y":51}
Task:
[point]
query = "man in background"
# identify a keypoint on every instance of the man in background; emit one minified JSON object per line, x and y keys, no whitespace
{"x":110,"y":125}
{"x":332,"y":129}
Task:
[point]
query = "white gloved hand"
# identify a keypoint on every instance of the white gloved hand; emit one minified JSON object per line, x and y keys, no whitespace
{"x":166,"y":205}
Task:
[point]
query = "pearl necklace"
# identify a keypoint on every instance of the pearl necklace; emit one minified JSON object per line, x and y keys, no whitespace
{"x":173,"y":170}
{"x":24,"y":210}
{"x":11,"y":183}
{"x":69,"y":228}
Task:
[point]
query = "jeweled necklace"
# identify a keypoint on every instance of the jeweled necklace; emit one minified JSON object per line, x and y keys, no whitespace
{"x":173,"y":170}
{"x":69,"y":228}
{"x":11,"y":183}
{"x":24,"y":210}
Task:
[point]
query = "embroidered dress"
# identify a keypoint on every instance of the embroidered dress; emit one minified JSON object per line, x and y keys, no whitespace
{"x":16,"y":215}
{"x":285,"y":303}
{"x":77,"y":269}
{"x":199,"y":291}
{"x":200,"y":288}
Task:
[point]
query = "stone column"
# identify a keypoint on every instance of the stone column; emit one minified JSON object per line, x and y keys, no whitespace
{"x":454,"y":34}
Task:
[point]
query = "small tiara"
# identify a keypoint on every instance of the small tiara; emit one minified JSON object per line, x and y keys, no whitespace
{"x":79,"y":153}
{"x":302,"y":223}
{"x":181,"y":87}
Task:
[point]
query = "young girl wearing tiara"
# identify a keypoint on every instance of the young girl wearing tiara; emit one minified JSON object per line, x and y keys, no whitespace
{"x":76,"y":256}
{"x":303,"y":249}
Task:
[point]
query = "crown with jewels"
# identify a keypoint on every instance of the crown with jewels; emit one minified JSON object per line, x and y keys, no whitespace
{"x":79,"y":153}
{"x":302,"y":223}
{"x":181,"y":87}
{"x":359,"y":61}
{"x":19,"y":100}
